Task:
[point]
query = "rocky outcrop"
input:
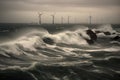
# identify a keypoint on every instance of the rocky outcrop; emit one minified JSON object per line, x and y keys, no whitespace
{"x":116,"y":38}
{"x":107,"y":33}
{"x":48,"y":40}
{"x":92,"y":35}
{"x":97,"y":32}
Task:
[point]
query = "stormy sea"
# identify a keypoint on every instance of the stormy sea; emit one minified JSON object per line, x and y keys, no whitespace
{"x":59,"y":52}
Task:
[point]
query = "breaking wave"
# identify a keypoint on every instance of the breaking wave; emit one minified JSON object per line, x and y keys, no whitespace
{"x":69,"y":57}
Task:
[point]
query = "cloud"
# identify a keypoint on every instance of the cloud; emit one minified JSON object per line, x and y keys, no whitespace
{"x":107,"y":8}
{"x":76,"y":2}
{"x":49,"y":4}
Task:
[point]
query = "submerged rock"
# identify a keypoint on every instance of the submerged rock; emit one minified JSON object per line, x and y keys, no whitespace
{"x":107,"y":33}
{"x":48,"y":40}
{"x":104,"y":32}
{"x":97,"y":32}
{"x":114,"y":33}
{"x":116,"y":38}
{"x":92,"y":35}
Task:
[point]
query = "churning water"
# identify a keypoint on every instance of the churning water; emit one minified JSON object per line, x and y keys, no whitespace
{"x":69,"y":57}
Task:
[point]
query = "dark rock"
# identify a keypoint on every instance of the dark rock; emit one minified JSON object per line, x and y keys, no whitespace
{"x":48,"y":40}
{"x":90,"y":41}
{"x":107,"y":33}
{"x":113,"y":33}
{"x":92,"y":35}
{"x":116,"y":38}
{"x":97,"y":32}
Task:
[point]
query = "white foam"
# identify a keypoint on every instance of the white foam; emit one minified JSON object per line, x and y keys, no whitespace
{"x":76,"y":37}
{"x":111,"y":49}
{"x":105,"y":28}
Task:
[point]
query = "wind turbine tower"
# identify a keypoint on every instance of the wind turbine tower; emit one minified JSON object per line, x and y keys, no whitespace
{"x":53,"y":18}
{"x":75,"y":20}
{"x":90,"y":19}
{"x":62,"y":20}
{"x":39,"y":17}
{"x":68,"y":19}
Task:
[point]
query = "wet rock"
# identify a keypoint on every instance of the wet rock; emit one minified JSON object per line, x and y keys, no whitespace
{"x":114,"y":33}
{"x":116,"y":38}
{"x":48,"y":40}
{"x":92,"y":35}
{"x":90,"y":41}
{"x":107,"y":33}
{"x":97,"y":32}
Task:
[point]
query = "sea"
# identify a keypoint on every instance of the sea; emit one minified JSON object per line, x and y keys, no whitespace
{"x":64,"y":55}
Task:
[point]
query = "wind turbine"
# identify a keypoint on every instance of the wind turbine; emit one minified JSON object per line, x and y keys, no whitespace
{"x":53,"y":18}
{"x":62,"y":20}
{"x":90,"y":19}
{"x":75,"y":21}
{"x":39,"y":17}
{"x":68,"y":19}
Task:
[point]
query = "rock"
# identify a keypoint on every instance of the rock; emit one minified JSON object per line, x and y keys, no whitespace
{"x":116,"y":38}
{"x":48,"y":40}
{"x":90,"y":41}
{"x":92,"y":35}
{"x":97,"y":32}
{"x":114,"y":33}
{"x":107,"y":33}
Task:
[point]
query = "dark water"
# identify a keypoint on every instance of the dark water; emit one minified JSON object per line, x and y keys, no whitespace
{"x":25,"y":56}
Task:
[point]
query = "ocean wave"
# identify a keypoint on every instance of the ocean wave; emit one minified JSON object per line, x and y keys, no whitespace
{"x":69,"y":57}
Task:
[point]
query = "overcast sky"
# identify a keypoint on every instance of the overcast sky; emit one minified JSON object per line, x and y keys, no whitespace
{"x":25,"y":11}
